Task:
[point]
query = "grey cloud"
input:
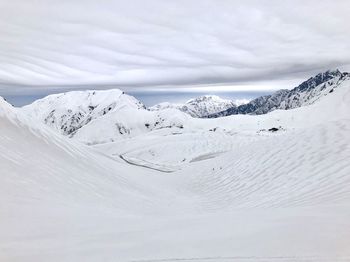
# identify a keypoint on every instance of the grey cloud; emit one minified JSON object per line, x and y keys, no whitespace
{"x":149,"y":43}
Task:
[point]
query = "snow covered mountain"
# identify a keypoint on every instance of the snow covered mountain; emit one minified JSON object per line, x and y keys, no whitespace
{"x":200,"y":107}
{"x":237,"y":191}
{"x":96,"y":117}
{"x":100,"y":116}
{"x":128,"y":123}
{"x":104,"y":116}
{"x":68,"y":112}
{"x":305,"y":94}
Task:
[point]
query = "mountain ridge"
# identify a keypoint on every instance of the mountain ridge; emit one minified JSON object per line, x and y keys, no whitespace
{"x":200,"y":107}
{"x":306,"y":93}
{"x":101,"y":116}
{"x":68,"y":112}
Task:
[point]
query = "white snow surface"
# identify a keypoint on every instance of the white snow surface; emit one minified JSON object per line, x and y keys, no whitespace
{"x":182,"y":189}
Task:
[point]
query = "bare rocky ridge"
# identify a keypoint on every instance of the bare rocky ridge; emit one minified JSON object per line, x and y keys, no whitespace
{"x":304,"y":94}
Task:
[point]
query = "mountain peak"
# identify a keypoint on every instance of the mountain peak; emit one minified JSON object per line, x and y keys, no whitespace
{"x":327,"y":75}
{"x":67,"y":112}
{"x":202,"y":106}
{"x":318,"y":79}
{"x":306,"y":93}
{"x":207,"y":98}
{"x":333,"y":72}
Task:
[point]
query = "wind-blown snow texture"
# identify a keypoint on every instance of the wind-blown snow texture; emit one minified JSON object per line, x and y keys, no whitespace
{"x":271,"y":187}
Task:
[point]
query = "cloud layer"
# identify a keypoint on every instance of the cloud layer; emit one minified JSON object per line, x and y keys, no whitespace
{"x":138,"y":43}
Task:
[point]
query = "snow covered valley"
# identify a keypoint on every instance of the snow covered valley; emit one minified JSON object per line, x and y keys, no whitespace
{"x":108,"y":180}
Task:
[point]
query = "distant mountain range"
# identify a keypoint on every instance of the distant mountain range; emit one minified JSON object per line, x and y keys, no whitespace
{"x":113,"y":113}
{"x":305,"y":94}
{"x":200,"y":107}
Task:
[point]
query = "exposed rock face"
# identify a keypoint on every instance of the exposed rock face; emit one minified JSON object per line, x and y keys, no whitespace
{"x":304,"y":94}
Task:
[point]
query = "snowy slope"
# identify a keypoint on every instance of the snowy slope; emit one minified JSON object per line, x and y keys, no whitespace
{"x":58,"y":164}
{"x":305,"y":94}
{"x":127,"y":123}
{"x":199,"y":107}
{"x":6,"y":110}
{"x":172,"y":149}
{"x":264,"y":199}
{"x":68,"y":112}
{"x":243,"y":193}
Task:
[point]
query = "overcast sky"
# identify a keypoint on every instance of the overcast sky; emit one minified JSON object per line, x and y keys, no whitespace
{"x":170,"y":43}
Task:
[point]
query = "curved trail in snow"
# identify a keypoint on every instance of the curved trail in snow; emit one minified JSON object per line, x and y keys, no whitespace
{"x":144,"y":164}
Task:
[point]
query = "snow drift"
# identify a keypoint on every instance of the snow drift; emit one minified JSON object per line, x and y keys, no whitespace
{"x":273,"y":187}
